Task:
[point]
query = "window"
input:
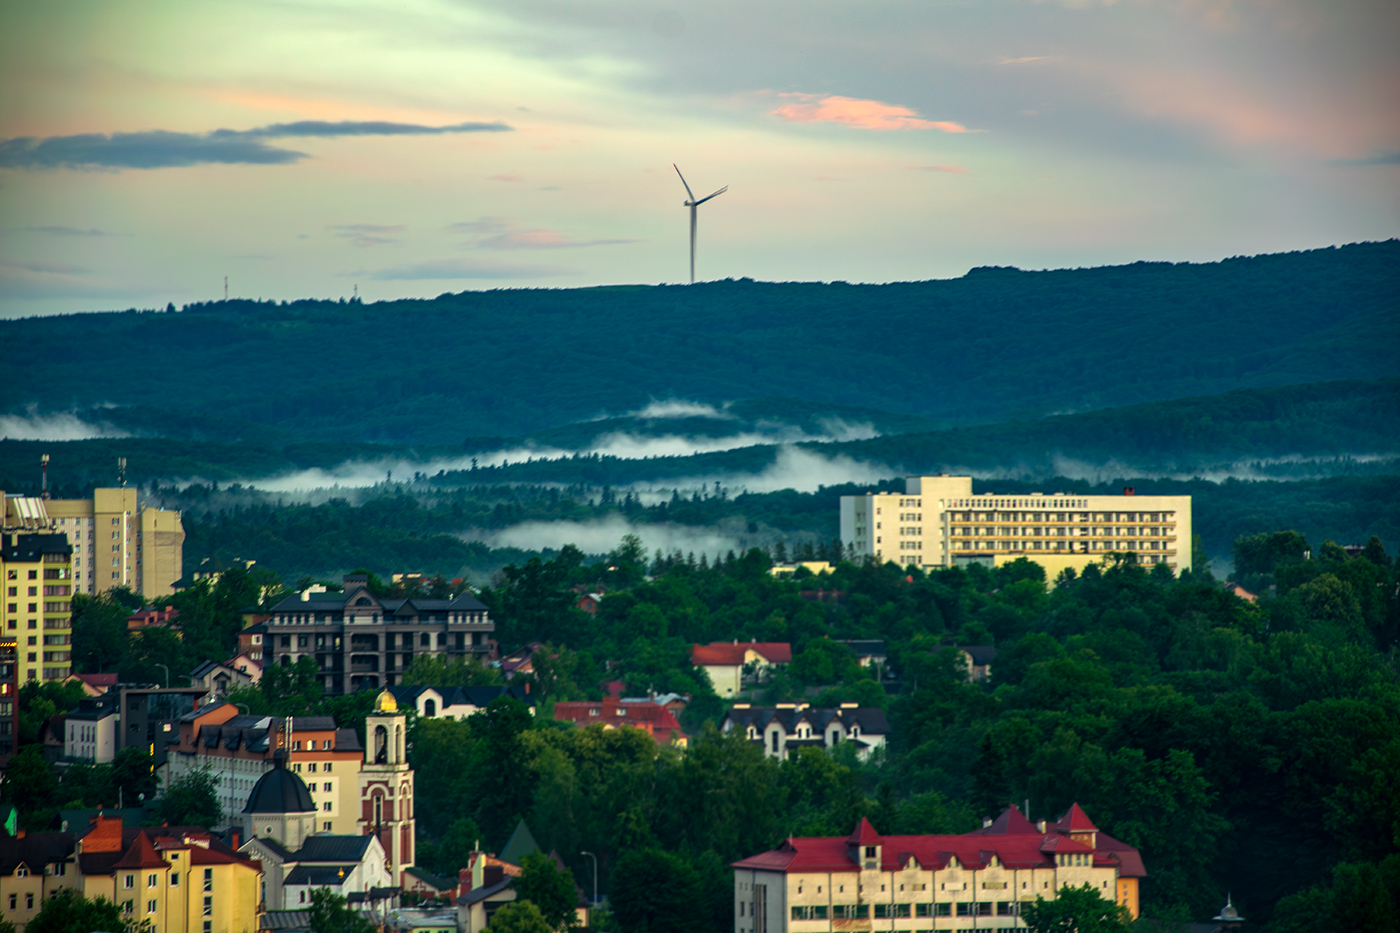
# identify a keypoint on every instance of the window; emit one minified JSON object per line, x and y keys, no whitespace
{"x":208,"y":909}
{"x":152,"y":880}
{"x":174,"y":879}
{"x":29,"y":901}
{"x":209,"y":882}
{"x":1006,"y":909}
{"x":311,"y":767}
{"x":326,"y":827}
{"x":326,"y":806}
{"x":326,"y":787}
{"x":128,"y":907}
{"x":14,"y":898}
{"x":327,"y":768}
{"x":151,"y":906}
{"x":129,"y":881}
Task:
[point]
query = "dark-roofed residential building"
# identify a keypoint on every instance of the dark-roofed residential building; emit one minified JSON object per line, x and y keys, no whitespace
{"x":975,"y":880}
{"x":978,"y":660}
{"x":33,"y":866}
{"x":238,"y":749}
{"x":790,"y":726}
{"x":360,"y":641}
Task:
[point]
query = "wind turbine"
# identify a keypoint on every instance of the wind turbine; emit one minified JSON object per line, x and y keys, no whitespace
{"x":693,"y":204}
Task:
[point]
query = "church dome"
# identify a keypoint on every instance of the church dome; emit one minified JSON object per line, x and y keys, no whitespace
{"x":279,"y":791}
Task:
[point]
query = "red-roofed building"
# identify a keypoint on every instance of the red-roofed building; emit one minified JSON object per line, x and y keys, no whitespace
{"x":732,"y":665}
{"x":652,"y":718}
{"x":152,"y":615}
{"x":176,"y":879}
{"x":976,"y":880}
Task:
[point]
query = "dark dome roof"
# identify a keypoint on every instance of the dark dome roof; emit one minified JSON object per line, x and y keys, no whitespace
{"x":279,"y":791}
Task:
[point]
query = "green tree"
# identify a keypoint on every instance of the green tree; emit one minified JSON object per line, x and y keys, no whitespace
{"x":133,"y":774}
{"x":655,"y":891}
{"x":550,"y":889}
{"x":1076,"y":910}
{"x":436,"y":670}
{"x":519,"y":917}
{"x":67,"y":911}
{"x":99,"y":631}
{"x":39,"y":700}
{"x":503,"y":782}
{"x":30,"y":784}
{"x":192,"y":800}
{"x":328,"y":913}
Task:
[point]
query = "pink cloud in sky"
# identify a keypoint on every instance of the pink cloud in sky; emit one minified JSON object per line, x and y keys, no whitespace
{"x":862,"y":114}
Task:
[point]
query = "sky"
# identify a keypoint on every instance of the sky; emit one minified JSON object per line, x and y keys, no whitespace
{"x":332,"y":148}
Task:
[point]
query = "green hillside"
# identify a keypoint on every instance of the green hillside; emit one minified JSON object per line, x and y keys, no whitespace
{"x":993,"y":344}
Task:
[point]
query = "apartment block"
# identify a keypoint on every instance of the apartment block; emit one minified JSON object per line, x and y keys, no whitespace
{"x":9,"y":692}
{"x":360,"y":641}
{"x":116,"y":542}
{"x":36,"y":572}
{"x":938,"y":522}
{"x":238,"y":749}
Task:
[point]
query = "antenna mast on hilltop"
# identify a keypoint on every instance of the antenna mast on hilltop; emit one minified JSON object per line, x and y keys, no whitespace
{"x":121,"y":472}
{"x":692,"y":203}
{"x":225,"y":288}
{"x":44,"y":466}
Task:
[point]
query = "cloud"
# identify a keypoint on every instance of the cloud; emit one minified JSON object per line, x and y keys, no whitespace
{"x":601,"y":536}
{"x":500,"y":234}
{"x":45,"y":268}
{"x":466,"y":269}
{"x":367,"y":234}
{"x":57,"y":427}
{"x":862,"y":114}
{"x":164,"y":149}
{"x":955,"y":169}
{"x":680,"y":408}
{"x":1026,"y":60}
{"x":68,"y":231}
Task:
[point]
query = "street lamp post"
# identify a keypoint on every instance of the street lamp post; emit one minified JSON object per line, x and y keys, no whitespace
{"x":595,"y":875}
{"x":167,"y":674}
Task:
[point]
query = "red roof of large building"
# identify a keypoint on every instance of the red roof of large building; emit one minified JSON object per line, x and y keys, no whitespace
{"x":1012,"y":840}
{"x":653,"y":718}
{"x":1076,"y":820}
{"x":732,"y":653}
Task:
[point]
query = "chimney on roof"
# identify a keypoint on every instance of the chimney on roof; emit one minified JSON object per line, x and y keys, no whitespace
{"x":986,"y":821}
{"x":1129,"y":490}
{"x":235,"y":839}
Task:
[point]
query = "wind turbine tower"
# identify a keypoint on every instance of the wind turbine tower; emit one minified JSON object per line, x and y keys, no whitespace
{"x":692,"y":203}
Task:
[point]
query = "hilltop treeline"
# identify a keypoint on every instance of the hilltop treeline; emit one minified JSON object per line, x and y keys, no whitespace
{"x":991,"y":344}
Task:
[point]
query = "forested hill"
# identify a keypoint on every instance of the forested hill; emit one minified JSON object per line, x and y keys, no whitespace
{"x":994,"y":344}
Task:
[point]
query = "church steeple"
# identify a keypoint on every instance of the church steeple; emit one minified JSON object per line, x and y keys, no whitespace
{"x":386,"y":783}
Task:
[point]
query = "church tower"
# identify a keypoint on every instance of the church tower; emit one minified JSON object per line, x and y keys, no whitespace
{"x":386,"y":784}
{"x":280,"y":807}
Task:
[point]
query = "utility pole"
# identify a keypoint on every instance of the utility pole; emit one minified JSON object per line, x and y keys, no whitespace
{"x":595,"y":876}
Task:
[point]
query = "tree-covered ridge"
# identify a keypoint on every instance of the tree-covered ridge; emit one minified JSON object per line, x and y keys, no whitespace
{"x":990,"y":344}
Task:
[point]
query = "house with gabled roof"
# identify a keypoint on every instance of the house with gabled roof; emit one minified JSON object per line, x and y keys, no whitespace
{"x":980,"y":879}
{"x":783,"y":729}
{"x":652,"y":718}
{"x":732,"y":666}
{"x":458,"y":702}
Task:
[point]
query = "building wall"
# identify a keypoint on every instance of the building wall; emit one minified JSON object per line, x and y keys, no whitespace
{"x":117,"y":543}
{"x":22,"y":897}
{"x":725,"y":678}
{"x":37,"y":612}
{"x":796,"y":901}
{"x":93,"y":740}
{"x":938,"y":522}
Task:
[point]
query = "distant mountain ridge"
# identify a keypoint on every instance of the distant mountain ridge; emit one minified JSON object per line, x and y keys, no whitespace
{"x":992,"y":345}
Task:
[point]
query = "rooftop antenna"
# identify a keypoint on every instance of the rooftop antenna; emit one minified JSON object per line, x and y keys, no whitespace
{"x":357,"y":291}
{"x":225,"y":288}
{"x":44,"y":466}
{"x":692,"y":203}
{"x":121,"y":472}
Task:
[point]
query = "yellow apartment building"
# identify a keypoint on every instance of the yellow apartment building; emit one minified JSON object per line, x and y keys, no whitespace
{"x":37,"y":575}
{"x":116,"y":542}
{"x":938,"y":522}
{"x":176,"y":881}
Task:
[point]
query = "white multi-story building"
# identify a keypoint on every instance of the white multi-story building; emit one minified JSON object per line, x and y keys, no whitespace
{"x":938,"y":522}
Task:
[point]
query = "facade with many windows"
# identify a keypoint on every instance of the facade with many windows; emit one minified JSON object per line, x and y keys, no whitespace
{"x":920,"y":884}
{"x":360,"y":641}
{"x":939,"y":522}
{"x":36,"y":572}
{"x":115,"y":540}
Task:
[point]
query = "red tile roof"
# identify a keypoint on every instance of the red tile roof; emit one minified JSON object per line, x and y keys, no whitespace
{"x":732,"y":653}
{"x":142,"y":854}
{"x":865,"y":834}
{"x":1011,"y":839}
{"x":653,"y":718}
{"x":1076,"y":820}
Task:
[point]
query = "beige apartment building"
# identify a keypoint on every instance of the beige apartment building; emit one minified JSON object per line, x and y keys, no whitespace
{"x":116,"y":542}
{"x":938,"y":522}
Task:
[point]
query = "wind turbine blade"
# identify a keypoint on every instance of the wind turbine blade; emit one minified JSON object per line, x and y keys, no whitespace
{"x":687,"y":187}
{"x":715,"y":195}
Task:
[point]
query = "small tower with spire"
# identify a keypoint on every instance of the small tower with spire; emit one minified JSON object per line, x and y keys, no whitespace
{"x":386,"y":784}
